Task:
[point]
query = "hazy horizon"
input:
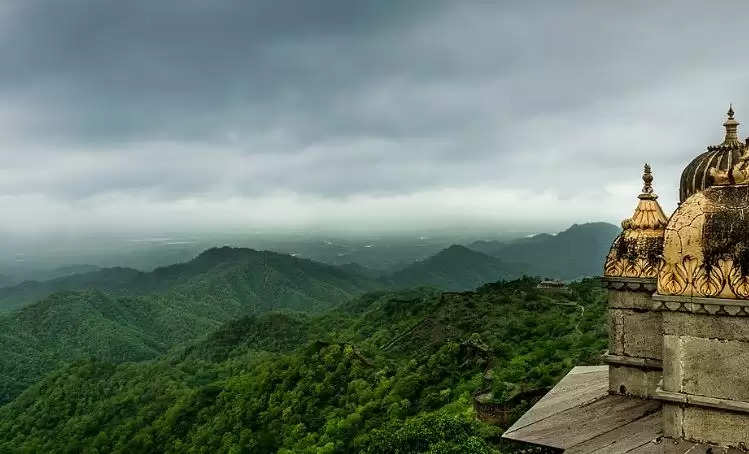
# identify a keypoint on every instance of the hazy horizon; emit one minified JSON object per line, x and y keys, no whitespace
{"x":373,"y":117}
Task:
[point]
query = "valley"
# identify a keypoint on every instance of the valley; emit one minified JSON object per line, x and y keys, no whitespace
{"x":239,"y":331}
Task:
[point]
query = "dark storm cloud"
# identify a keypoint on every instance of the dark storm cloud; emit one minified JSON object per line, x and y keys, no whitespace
{"x":339,"y":103}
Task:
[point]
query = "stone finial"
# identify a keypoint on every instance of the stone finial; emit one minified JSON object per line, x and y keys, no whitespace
{"x":647,"y":188}
{"x":732,"y":127}
{"x":647,"y":178}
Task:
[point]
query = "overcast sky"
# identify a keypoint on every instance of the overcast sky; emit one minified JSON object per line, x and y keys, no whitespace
{"x":371,"y":115}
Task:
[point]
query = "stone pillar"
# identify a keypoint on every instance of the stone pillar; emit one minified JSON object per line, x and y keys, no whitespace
{"x":635,"y":337}
{"x":705,"y":389}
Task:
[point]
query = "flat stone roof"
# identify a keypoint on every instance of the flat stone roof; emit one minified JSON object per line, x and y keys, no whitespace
{"x":579,"y":416}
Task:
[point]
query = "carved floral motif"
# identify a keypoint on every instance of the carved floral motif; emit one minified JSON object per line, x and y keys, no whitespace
{"x":708,"y":282}
{"x":692,"y":278}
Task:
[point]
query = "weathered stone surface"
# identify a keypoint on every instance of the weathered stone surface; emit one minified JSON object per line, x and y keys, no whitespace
{"x":633,"y":381}
{"x":709,"y":425}
{"x":616,"y":332}
{"x":706,"y":367}
{"x":715,"y":368}
{"x":707,"y":326}
{"x":673,"y":417}
{"x":704,"y":425}
{"x":672,"y":363}
{"x":634,"y":333}
{"x":624,"y":299}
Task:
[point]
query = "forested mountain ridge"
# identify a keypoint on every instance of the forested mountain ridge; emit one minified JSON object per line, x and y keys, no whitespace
{"x":166,"y":307}
{"x":127,"y":281}
{"x":108,"y":279}
{"x":386,"y":373}
{"x":455,"y":268}
{"x":571,"y":254}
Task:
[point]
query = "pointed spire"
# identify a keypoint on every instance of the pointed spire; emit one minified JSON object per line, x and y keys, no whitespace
{"x":732,"y":126}
{"x":647,"y":188}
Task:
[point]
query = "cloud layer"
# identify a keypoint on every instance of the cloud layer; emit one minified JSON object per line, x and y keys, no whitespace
{"x":370,"y":115}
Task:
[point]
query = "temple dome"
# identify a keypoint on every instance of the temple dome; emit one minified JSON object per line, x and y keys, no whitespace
{"x":723,"y":156}
{"x":637,"y":250}
{"x":706,"y":244}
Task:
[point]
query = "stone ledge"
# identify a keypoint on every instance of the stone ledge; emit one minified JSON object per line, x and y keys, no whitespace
{"x":701,"y":305}
{"x":635,"y":284}
{"x":701,"y":401}
{"x":642,"y":363}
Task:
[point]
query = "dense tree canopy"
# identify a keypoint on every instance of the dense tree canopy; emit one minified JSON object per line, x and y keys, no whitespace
{"x":389,"y":372}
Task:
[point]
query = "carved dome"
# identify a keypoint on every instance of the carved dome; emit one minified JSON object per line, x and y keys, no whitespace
{"x":723,"y":156}
{"x":706,"y":245}
{"x":637,"y":250}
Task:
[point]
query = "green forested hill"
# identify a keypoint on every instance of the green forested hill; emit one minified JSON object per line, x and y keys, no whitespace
{"x":391,"y":372}
{"x":576,"y":252}
{"x":282,"y":279}
{"x":163,"y":308}
{"x":108,"y":279}
{"x":455,"y":268}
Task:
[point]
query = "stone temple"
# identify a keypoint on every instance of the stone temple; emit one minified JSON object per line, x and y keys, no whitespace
{"x":676,"y":378}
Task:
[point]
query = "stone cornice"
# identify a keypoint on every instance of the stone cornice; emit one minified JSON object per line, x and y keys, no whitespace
{"x":699,"y":305}
{"x":634,"y":284}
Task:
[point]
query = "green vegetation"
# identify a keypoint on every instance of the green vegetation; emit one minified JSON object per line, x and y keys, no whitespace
{"x":132,"y":316}
{"x":260,"y":278}
{"x":455,"y":268}
{"x":389,"y":372}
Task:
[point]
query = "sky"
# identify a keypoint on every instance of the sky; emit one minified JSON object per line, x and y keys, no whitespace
{"x":156,"y":115}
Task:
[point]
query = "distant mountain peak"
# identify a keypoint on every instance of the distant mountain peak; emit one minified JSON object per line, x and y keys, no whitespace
{"x":454,"y":268}
{"x":570,"y":254}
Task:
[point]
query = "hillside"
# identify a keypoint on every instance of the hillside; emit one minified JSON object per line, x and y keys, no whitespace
{"x":455,"y":268}
{"x":391,"y":372}
{"x":576,"y":252}
{"x":111,"y":280}
{"x":283,"y":277}
{"x":165,"y":307}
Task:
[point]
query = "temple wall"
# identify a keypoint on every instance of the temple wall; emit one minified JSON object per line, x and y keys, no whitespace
{"x":635,"y":338}
{"x":635,"y":333}
{"x":705,"y":385}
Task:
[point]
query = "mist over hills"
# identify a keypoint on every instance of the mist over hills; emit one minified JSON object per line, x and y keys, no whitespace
{"x":573,"y":253}
{"x":576,"y":252}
